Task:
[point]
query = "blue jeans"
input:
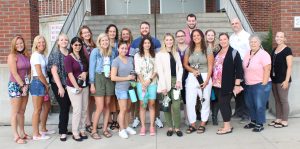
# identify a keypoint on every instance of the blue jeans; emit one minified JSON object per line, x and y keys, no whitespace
{"x":256,"y":97}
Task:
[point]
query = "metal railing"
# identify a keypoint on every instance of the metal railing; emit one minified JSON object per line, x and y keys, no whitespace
{"x":234,"y":10}
{"x":75,"y":18}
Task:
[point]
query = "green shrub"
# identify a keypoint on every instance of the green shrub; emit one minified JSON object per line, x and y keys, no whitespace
{"x":268,"y":41}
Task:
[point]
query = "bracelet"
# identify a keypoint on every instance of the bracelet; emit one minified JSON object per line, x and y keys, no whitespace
{"x":237,"y":85}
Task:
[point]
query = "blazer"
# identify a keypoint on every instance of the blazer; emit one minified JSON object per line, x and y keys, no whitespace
{"x":162,"y":62}
{"x":232,"y":69}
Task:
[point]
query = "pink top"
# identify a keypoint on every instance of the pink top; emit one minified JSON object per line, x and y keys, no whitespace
{"x":23,"y":66}
{"x":255,"y":71}
{"x":217,"y":70}
{"x":187,"y":36}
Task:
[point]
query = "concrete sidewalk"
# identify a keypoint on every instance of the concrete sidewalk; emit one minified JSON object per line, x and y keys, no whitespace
{"x":270,"y":138}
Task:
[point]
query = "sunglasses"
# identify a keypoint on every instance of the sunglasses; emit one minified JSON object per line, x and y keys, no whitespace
{"x":77,"y":45}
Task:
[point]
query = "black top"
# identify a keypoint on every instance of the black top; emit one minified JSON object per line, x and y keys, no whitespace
{"x":172,"y":65}
{"x":232,"y":69}
{"x":279,"y":65}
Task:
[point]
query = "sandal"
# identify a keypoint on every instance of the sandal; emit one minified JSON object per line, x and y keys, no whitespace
{"x":89,"y":128}
{"x":280,"y":125}
{"x":223,"y":132}
{"x":19,"y":140}
{"x":112,"y":125}
{"x":106,"y":134}
{"x":201,"y":129}
{"x":95,"y":136}
{"x":26,"y":137}
{"x":273,"y":123}
{"x":190,"y":130}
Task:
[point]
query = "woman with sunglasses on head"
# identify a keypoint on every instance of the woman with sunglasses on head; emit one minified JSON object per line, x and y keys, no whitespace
{"x":76,"y":66}
{"x":20,"y":72}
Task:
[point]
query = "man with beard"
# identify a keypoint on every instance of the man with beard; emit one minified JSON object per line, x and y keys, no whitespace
{"x":145,"y":31}
{"x":239,"y":40}
{"x":191,"y":22}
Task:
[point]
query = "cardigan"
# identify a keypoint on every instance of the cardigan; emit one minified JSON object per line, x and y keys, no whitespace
{"x":162,"y":62}
{"x":232,"y":69}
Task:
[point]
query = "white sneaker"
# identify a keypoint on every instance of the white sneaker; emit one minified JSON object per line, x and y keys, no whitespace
{"x":123,"y":134}
{"x":49,"y":132}
{"x":42,"y":137}
{"x":136,"y":122}
{"x":130,"y":131}
{"x":158,"y":123}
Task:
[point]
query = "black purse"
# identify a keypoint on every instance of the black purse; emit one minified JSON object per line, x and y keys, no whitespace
{"x":80,"y":82}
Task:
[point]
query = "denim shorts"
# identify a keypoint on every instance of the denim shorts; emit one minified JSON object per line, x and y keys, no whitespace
{"x":121,"y":95}
{"x":37,"y":88}
{"x":150,"y":93}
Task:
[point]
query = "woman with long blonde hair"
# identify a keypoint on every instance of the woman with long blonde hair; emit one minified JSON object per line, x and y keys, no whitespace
{"x":169,"y":70}
{"x":102,"y":88}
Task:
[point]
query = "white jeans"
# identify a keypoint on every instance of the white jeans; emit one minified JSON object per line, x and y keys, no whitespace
{"x":192,"y":91}
{"x":79,"y":103}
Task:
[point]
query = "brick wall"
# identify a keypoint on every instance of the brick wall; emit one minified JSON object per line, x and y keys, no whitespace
{"x":55,"y":7}
{"x":283,"y":13}
{"x":17,"y":17}
{"x":258,"y":13}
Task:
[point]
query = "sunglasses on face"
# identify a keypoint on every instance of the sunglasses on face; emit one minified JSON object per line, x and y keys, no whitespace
{"x":77,"y":45}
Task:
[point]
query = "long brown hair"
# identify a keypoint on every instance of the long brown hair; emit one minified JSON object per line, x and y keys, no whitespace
{"x":151,"y":50}
{"x":193,"y":45}
{"x":91,"y":41}
{"x":130,"y":36}
{"x":13,"y":48}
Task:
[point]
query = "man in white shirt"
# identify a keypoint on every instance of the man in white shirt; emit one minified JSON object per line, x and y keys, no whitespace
{"x":239,"y":40}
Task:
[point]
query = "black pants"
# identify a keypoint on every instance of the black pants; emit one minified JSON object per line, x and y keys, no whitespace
{"x":224,"y":104}
{"x":64,"y":105}
{"x":241,"y":109}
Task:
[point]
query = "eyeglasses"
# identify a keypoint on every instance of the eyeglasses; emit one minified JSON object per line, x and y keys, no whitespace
{"x":77,"y":45}
{"x":180,"y":36}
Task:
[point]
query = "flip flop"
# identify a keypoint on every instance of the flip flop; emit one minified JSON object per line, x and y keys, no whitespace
{"x":95,"y":136}
{"x":223,"y":132}
{"x":26,"y":137}
{"x":280,"y":125}
{"x":19,"y":140}
{"x":106,"y":134}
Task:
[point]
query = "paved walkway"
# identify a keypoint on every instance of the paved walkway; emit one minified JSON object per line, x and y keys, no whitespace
{"x":270,"y":138}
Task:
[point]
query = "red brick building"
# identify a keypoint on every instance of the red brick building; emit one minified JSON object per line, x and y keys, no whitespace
{"x":22,"y":17}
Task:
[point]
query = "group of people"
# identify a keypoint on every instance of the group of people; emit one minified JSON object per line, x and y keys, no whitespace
{"x":190,"y":66}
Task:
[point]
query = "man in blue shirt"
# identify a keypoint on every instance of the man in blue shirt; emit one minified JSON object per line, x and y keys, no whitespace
{"x":145,"y":31}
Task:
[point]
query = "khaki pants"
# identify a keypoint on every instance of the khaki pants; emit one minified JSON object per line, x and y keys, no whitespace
{"x":79,"y":103}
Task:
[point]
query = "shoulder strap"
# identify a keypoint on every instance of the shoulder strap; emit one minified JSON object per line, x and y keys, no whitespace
{"x":233,"y":54}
